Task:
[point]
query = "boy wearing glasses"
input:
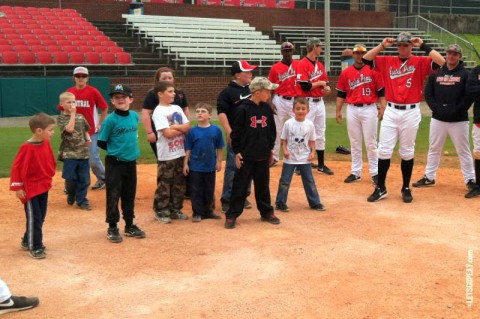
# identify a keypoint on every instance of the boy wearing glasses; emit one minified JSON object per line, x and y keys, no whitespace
{"x":404,"y":76}
{"x":361,"y":87}
{"x":203,"y":156}
{"x":89,"y":100}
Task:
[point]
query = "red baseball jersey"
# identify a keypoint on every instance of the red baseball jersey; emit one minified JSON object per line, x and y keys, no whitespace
{"x":404,"y":80}
{"x":361,"y":86}
{"x":284,"y":75}
{"x":310,"y":71}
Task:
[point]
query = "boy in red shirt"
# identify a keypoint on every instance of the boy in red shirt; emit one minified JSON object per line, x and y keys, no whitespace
{"x":31,"y":178}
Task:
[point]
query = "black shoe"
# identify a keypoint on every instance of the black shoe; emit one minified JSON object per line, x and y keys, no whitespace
{"x":134,"y":231}
{"x":377,"y":194}
{"x":196,"y":218}
{"x":407,"y":195}
{"x":319,"y":207}
{"x":473,"y":190}
{"x":225,"y":207}
{"x":38,"y":253}
{"x":25,"y":247}
{"x":17,"y":303}
{"x":176,"y":214}
{"x":211,"y":216}
{"x":325,"y":170}
{"x":352,"y":178}
{"x":424,"y":181}
{"x":114,"y":235}
{"x":70,"y":200}
{"x":282,"y":207}
{"x":230,"y":223}
{"x":272,"y":219}
{"x":100,"y":184}
{"x":85,"y":206}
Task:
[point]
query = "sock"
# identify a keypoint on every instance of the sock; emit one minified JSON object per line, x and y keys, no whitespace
{"x":477,"y":171}
{"x":407,"y":168}
{"x":112,"y":225}
{"x":383,"y":166}
{"x":321,"y":158}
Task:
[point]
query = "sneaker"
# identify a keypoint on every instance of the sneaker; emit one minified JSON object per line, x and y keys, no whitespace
{"x":352,"y":178}
{"x":424,"y":181}
{"x":297,"y":171}
{"x":25,"y":247}
{"x":247,"y":204}
{"x":282,"y":207}
{"x":211,"y":216}
{"x":70,"y":200}
{"x":272,"y":219}
{"x":161,"y":217}
{"x":176,"y":214}
{"x":100,"y":184}
{"x":473,"y":190}
{"x":325,"y":170}
{"x":65,"y":191}
{"x":230,"y":223}
{"x":225,"y":207}
{"x":38,"y":254}
{"x":407,"y":195}
{"x":377,"y":194}
{"x":17,"y":303}
{"x":275,"y":163}
{"x":114,"y":235}
{"x":85,"y":206}
{"x":319,"y":207}
{"x":134,"y":231}
{"x":196,"y":218}
{"x":375,"y":180}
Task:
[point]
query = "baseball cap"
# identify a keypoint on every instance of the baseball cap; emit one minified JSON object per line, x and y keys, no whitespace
{"x":359,"y":48}
{"x":242,"y":66}
{"x":454,"y":48}
{"x":80,"y":70}
{"x":122,"y":89}
{"x":404,"y":37}
{"x":313,"y":41}
{"x":287,"y":46}
{"x":261,"y":83}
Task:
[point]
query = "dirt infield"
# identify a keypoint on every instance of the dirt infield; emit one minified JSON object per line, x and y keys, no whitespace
{"x":356,"y":260}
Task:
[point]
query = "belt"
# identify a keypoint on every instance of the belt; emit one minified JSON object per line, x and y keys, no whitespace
{"x":286,"y":97}
{"x":360,"y":105}
{"x":402,"y":106}
{"x":314,"y":99}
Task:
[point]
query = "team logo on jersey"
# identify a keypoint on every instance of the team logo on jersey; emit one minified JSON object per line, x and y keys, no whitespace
{"x":359,"y":81}
{"x":403,"y":70}
{"x":262,"y":121}
{"x":82,"y":103}
{"x":289,"y":74}
{"x":315,"y":74}
{"x":448,"y":80}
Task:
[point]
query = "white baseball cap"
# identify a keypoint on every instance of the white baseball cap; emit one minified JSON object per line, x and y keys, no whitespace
{"x":80,"y":70}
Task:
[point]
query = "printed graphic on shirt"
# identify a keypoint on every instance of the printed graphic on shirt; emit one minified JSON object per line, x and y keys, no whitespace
{"x":175,"y":118}
{"x":448,"y":80}
{"x":298,"y":140}
{"x":256,"y":121}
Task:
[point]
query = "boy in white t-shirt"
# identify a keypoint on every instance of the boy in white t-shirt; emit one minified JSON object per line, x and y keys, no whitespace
{"x":172,"y":125}
{"x":298,"y":144}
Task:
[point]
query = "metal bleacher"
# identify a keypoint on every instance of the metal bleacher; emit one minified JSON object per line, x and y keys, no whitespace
{"x":191,"y":42}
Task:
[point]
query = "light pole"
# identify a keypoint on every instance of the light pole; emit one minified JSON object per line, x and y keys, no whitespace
{"x":327,"y":35}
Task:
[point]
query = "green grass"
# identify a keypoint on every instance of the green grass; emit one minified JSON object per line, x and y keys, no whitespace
{"x":12,"y":138}
{"x":448,"y":39}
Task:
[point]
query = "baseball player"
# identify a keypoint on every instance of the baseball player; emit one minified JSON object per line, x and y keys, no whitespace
{"x":361,"y":87}
{"x":404,"y":76}
{"x":284,"y":74}
{"x":446,"y":97}
{"x":312,"y":83}
{"x":473,"y":90}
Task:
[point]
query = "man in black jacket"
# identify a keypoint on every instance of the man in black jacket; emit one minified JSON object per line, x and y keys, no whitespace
{"x":473,"y":90}
{"x":253,"y":138}
{"x":446,"y":96}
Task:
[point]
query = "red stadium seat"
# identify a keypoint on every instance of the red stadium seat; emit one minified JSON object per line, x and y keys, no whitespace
{"x":85,"y":48}
{"x":70,"y":11}
{"x":63,"y":43}
{"x":18,"y":42}
{"x":68,"y":32}
{"x":61,"y":58}
{"x":123,"y":58}
{"x":49,"y":27}
{"x":115,"y":49}
{"x":21,"y":48}
{"x":108,"y":58}
{"x":70,"y":48}
{"x":54,"y":48}
{"x":4,"y":42}
{"x":37,"y":48}
{"x":29,"y":36}
{"x":78,"y":43}
{"x":10,"y":57}
{"x":6,"y":47}
{"x":44,"y":37}
{"x":24,"y":31}
{"x":92,"y":58}
{"x":89,"y":38}
{"x":58,"y":37}
{"x":100,"y":49}
{"x":34,"y":42}
{"x":44,"y":57}
{"x":49,"y":42}
{"x":27,"y":57}
{"x":13,"y":36}
{"x":77,"y":57}
{"x":108,"y":43}
{"x":101,"y":38}
{"x":9,"y":31}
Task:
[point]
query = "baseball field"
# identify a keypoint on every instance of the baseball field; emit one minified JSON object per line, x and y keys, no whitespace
{"x":355,"y":260}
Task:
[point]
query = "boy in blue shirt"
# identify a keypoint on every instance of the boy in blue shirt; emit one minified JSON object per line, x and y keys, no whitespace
{"x":203,"y":156}
{"x":119,"y":137}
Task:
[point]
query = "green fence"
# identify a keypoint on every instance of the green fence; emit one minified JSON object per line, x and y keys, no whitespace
{"x":27,"y":96}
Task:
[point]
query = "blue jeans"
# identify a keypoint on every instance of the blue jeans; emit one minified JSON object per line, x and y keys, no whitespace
{"x":228,"y":177}
{"x":307,"y":180}
{"x":95,"y":161}
{"x":76,"y":173}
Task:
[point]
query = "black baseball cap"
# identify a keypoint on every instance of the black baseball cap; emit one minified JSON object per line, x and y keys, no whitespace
{"x":121,"y":89}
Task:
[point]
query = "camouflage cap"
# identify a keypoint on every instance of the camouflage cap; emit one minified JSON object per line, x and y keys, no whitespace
{"x":455,"y":48}
{"x":261,"y":83}
{"x":313,"y":41}
{"x":404,"y":37}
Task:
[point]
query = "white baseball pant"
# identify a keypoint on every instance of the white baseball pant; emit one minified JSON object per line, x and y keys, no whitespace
{"x":399,"y":125}
{"x":284,"y":110}
{"x":476,"y":141}
{"x":317,"y":116}
{"x":362,"y":122}
{"x":4,"y":292}
{"x":458,"y":132}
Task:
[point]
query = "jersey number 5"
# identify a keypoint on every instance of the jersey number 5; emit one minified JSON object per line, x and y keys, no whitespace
{"x":409,"y":83}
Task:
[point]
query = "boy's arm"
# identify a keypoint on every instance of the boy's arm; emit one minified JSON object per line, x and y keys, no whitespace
{"x":186,"y":169}
{"x":312,"y":150}
{"x":183,"y":128}
{"x":19,"y":166}
{"x":147,"y":123}
{"x":88,"y":140}
{"x":286,"y":154}
{"x":218,"y":166}
{"x":70,"y":127}
{"x":170,"y":133}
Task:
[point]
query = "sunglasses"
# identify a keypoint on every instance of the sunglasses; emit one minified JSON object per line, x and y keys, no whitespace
{"x":81,"y":76}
